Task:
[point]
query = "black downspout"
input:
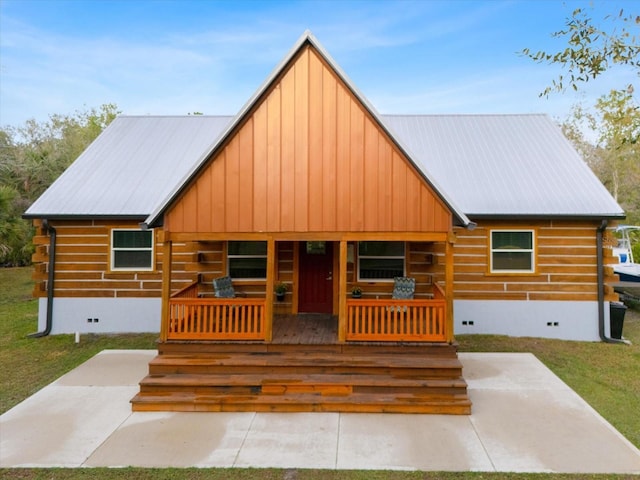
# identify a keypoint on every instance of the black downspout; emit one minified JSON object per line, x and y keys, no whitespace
{"x":50,"y":281}
{"x":599,"y":242}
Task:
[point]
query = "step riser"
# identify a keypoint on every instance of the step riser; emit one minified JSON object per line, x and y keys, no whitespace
{"x":439,"y":350}
{"x":344,"y":389}
{"x":302,"y":407}
{"x":256,"y":370}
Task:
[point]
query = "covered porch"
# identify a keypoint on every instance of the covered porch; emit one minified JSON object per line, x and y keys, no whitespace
{"x":322,"y":285}
{"x":255,"y":353}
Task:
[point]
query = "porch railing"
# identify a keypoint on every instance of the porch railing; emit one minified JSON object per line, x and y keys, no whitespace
{"x":397,"y":320}
{"x":194,"y":318}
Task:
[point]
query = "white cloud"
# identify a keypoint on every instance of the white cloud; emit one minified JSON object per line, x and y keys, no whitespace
{"x":406,"y":57}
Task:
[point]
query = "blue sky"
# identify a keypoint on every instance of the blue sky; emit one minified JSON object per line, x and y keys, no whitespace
{"x":175,"y":57}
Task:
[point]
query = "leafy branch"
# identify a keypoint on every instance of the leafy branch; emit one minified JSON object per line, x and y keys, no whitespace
{"x":591,"y":50}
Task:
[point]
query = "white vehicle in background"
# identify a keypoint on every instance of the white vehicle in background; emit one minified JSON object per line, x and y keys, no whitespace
{"x":626,"y":268}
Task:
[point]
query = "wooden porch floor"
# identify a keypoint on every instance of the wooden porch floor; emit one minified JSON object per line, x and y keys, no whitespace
{"x":305,"y":329}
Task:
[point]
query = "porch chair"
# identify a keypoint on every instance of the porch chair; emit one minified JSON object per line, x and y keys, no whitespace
{"x":223,"y":287}
{"x":403,"y":289}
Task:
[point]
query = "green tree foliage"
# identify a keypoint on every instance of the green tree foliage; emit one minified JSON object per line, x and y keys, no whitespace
{"x":591,"y":50}
{"x":32,"y":156}
{"x":617,"y":119}
{"x":615,"y":156}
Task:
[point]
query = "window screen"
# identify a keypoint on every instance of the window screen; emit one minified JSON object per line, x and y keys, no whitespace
{"x":132,"y":249}
{"x":380,"y":260}
{"x":247,"y":259}
{"x":512,"y":251}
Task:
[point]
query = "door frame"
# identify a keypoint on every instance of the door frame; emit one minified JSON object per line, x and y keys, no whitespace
{"x":298,"y":244}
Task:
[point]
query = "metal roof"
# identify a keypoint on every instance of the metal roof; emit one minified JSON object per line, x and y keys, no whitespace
{"x":480,"y":165}
{"x":130,"y":168}
{"x":490,"y":165}
{"x":504,"y":165}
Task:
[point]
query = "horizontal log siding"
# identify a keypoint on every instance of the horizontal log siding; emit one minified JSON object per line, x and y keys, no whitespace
{"x":566,"y":264}
{"x":424,"y":262}
{"x":285,"y":252}
{"x":82,"y":263}
{"x":210,"y":262}
{"x":308,"y":158}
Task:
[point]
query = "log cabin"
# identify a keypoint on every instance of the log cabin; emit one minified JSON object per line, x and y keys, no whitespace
{"x":496,"y":220}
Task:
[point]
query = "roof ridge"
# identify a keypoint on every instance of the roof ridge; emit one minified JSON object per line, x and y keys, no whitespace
{"x":530,"y":114}
{"x":175,"y":116}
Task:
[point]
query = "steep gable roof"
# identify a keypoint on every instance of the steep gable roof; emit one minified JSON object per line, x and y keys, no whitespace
{"x":307,"y":39}
{"x":481,"y":165}
{"x":308,"y":157}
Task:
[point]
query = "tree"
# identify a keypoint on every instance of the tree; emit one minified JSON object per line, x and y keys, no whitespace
{"x":615,"y":157}
{"x":31,"y":158}
{"x":13,"y":230}
{"x":591,"y":50}
{"x":618,"y":118}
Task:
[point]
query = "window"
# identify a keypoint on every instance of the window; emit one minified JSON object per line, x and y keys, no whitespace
{"x":512,"y":251}
{"x":380,"y":260}
{"x":132,"y":250}
{"x":247,"y":260}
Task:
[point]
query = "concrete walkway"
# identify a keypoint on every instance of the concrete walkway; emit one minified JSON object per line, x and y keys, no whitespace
{"x":524,"y":420}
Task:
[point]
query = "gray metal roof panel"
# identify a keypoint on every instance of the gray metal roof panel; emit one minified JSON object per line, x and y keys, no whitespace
{"x":503,"y":165}
{"x":130,"y":168}
{"x":491,"y":165}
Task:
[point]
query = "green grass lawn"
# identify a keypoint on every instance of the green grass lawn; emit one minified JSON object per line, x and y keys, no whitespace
{"x":606,"y":376}
{"x":28,"y":364}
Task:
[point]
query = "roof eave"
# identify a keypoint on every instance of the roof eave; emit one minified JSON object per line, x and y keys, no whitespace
{"x":84,"y":216}
{"x":542,"y":216}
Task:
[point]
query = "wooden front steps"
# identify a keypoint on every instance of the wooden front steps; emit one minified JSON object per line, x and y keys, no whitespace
{"x":309,"y":378}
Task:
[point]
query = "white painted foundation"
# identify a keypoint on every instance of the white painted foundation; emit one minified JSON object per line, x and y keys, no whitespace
{"x":114,"y":315}
{"x":547,"y":319}
{"x":575,"y":320}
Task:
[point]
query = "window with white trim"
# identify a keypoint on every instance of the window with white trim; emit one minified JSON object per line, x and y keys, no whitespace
{"x":380,"y":260}
{"x":247,"y":260}
{"x":131,"y":249}
{"x":512,"y":251}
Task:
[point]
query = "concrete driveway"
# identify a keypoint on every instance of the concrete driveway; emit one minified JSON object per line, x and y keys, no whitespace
{"x":524,"y":419}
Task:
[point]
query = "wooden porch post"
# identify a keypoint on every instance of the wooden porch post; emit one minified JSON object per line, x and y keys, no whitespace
{"x":271,"y":272}
{"x":342,"y":289}
{"x":448,"y":289}
{"x":167,"y":250}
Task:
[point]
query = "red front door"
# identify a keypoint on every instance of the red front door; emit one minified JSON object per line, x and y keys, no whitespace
{"x":315,"y":293}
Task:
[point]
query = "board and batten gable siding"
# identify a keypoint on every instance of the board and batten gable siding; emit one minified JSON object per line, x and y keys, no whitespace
{"x":566,"y":267}
{"x":308,"y":158}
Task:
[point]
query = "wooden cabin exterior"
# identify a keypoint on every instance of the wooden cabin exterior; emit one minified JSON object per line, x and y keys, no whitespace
{"x":290,"y":196}
{"x":566,"y":271}
{"x":310,"y":188}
